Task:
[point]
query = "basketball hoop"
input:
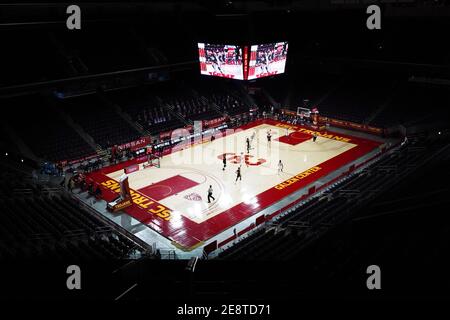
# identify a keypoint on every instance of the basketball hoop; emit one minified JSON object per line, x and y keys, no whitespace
{"x":152,"y":161}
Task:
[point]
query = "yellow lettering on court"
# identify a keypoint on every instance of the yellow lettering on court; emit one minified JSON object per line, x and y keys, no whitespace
{"x":161,"y":208}
{"x":297,"y":178}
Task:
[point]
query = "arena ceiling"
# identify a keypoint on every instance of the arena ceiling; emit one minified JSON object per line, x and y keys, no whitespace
{"x":24,"y":13}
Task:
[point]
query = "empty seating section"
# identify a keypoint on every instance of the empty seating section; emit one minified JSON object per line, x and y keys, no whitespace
{"x":356,"y":99}
{"x":100,"y":51}
{"x":167,"y":106}
{"x":381,"y":100}
{"x":29,"y":56}
{"x":226,"y":96}
{"x":43,"y":227}
{"x":378,"y":100}
{"x":46,"y":133}
{"x":227,"y":102}
{"x":11,"y":183}
{"x":55,"y":54}
{"x":36,"y":223}
{"x":411,"y":104}
{"x":142,"y":105}
{"x":291,"y":93}
{"x":100,"y":121}
{"x":278,"y":89}
{"x":189,"y":105}
{"x":314,"y":88}
{"x":6,"y":144}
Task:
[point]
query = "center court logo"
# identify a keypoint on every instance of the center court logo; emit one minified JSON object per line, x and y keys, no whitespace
{"x":197,"y":149}
{"x":193,"y":196}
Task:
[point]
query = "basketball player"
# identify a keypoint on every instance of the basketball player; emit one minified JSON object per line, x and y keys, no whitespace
{"x":265,"y":62}
{"x":279,"y":50}
{"x":314,"y":137}
{"x":230,"y":55}
{"x":248,"y":144}
{"x":280,"y":166}
{"x":238,"y":56}
{"x":269,"y":137}
{"x":215,"y":59}
{"x":224,"y":160}
{"x":238,"y":174}
{"x":210,"y":194}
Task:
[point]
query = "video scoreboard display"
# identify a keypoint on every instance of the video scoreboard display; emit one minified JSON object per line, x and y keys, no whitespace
{"x":221,"y":60}
{"x":267,"y":60}
{"x":236,"y":62}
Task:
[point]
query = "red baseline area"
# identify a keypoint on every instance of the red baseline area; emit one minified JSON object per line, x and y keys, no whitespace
{"x":168,"y":187}
{"x":188,"y":234}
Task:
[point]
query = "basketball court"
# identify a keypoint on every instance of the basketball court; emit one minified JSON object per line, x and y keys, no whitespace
{"x":172,"y":199}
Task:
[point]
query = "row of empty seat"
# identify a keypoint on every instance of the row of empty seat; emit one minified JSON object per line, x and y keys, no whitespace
{"x":44,"y":131}
{"x":100,"y":121}
{"x":39,"y":221}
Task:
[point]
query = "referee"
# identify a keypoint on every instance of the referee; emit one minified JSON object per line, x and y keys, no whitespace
{"x":210,"y":194}
{"x":238,"y":174}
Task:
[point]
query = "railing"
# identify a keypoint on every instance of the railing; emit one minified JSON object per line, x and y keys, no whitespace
{"x":171,"y":109}
{"x":213,"y":105}
{"x":168,"y":254}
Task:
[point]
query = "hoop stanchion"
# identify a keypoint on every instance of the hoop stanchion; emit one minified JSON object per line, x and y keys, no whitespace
{"x":152,"y":161}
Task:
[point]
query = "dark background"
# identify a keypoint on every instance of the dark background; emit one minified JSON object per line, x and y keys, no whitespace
{"x":411,"y":246}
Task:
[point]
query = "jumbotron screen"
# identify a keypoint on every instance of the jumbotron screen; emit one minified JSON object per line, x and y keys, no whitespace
{"x":267,"y":60}
{"x":221,"y":60}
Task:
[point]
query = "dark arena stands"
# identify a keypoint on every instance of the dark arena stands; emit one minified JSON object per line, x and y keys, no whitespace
{"x":137,"y":149}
